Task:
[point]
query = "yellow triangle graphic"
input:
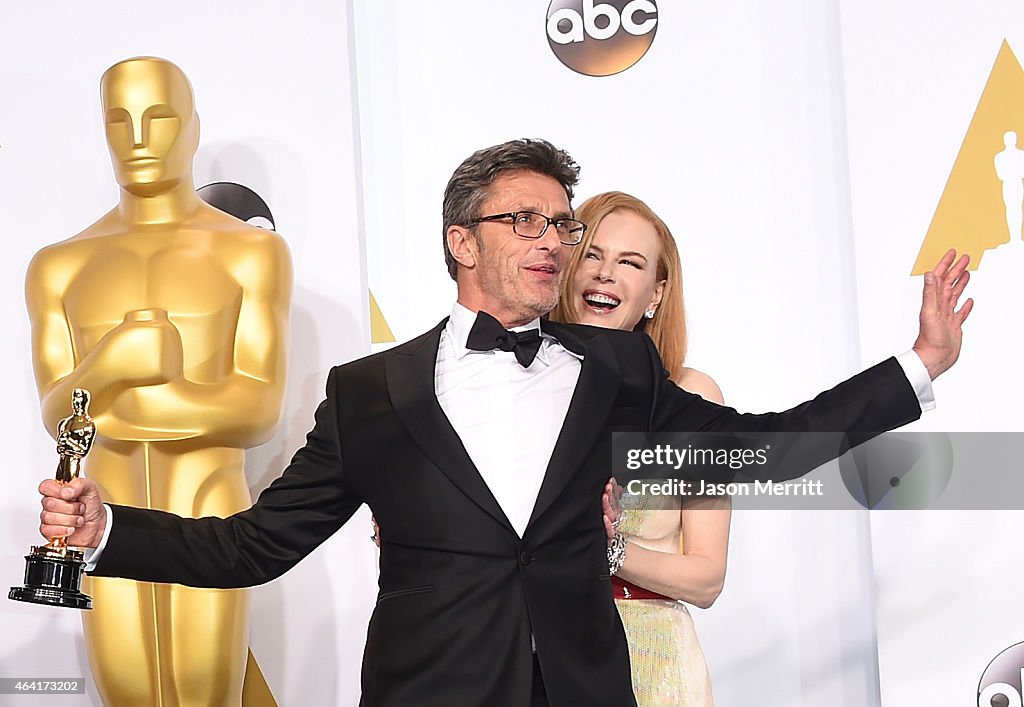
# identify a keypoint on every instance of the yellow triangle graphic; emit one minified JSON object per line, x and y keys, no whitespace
{"x":971,"y":216}
{"x":255,"y":690}
{"x":380,"y":332}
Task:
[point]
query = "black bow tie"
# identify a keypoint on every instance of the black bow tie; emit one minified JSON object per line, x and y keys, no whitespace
{"x":488,"y":334}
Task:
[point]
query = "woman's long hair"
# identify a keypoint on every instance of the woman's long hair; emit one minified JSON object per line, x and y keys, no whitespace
{"x":668,"y":327}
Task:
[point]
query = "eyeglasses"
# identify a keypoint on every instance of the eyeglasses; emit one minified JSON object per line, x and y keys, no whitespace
{"x":529,"y":224}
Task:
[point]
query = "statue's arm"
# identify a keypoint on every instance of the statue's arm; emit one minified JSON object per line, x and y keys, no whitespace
{"x":130,"y":354}
{"x":243,"y":407}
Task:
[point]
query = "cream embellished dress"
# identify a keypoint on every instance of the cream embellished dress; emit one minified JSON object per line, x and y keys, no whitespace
{"x":668,"y":664}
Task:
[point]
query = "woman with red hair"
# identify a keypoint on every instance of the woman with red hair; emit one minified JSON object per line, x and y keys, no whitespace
{"x":626,"y":274}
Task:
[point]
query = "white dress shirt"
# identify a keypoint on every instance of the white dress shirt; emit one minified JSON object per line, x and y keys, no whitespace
{"x":509,"y":417}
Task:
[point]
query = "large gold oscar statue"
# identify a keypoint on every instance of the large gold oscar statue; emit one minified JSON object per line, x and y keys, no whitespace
{"x":175,"y":316}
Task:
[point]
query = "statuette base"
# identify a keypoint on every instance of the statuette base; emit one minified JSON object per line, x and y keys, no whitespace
{"x":53,"y":577}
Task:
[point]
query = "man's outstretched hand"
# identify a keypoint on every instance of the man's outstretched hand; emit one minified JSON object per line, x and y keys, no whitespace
{"x":73,"y":512}
{"x":938,"y":342}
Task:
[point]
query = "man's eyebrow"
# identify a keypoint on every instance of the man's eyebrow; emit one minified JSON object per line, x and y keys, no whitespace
{"x":538,"y":210}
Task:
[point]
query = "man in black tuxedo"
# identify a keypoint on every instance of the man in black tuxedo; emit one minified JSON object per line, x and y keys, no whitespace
{"x":484,"y":453}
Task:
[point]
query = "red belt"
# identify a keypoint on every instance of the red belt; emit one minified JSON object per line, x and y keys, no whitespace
{"x":621,"y":589}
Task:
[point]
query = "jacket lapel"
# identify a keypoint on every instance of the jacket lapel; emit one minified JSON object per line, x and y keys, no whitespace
{"x":409,"y":370}
{"x":591,"y":402}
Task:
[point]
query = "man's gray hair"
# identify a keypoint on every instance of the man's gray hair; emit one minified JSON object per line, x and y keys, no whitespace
{"x":468,"y":187}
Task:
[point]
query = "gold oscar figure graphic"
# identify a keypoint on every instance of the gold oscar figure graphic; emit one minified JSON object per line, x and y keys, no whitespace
{"x":53,"y":572}
{"x":175,"y":316}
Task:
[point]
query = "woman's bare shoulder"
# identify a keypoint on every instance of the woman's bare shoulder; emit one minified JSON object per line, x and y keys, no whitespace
{"x":702,"y":384}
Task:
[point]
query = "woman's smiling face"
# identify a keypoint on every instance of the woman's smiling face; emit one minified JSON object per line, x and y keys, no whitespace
{"x":616,"y":281}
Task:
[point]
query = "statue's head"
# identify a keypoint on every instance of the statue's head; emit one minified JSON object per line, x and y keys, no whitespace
{"x":80,"y":401}
{"x":152,"y":126}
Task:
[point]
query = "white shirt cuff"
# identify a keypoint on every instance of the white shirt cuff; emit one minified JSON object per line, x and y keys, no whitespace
{"x":917,"y":374}
{"x":91,"y":555}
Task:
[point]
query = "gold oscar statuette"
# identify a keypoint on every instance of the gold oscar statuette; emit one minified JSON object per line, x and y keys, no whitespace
{"x":53,"y":572}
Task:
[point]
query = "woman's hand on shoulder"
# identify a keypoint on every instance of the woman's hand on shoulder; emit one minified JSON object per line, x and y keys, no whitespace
{"x":610,"y":507}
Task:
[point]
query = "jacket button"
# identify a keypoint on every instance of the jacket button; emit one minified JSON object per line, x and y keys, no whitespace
{"x":525,"y":558}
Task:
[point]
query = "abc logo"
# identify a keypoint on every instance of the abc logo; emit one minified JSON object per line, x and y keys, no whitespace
{"x":240,"y":201}
{"x":604,"y":38}
{"x":1000,"y":684}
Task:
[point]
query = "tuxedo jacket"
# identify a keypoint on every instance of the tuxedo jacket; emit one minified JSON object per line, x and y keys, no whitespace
{"x":461,"y":593}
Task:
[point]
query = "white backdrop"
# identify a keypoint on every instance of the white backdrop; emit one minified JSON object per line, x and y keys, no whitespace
{"x":797,"y":149}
